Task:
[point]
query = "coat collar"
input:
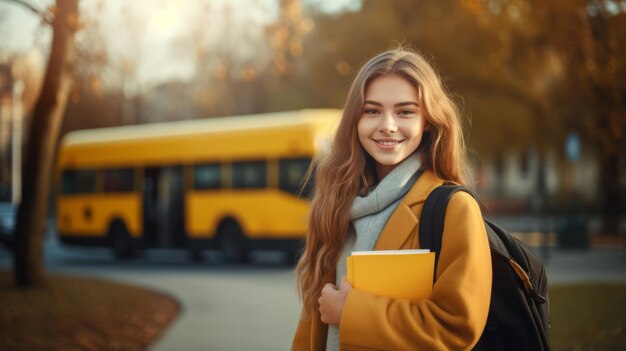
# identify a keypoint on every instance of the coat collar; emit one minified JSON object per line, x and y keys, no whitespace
{"x":404,"y":219}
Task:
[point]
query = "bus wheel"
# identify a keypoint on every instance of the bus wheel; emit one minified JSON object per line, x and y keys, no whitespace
{"x":233,"y":243}
{"x":121,"y":244}
{"x":196,"y":256}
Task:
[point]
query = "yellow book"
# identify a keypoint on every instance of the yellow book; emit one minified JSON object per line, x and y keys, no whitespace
{"x":400,"y":274}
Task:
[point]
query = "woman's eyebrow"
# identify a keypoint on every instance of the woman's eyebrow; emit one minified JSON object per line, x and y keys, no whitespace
{"x":372,"y":103}
{"x":404,"y":103}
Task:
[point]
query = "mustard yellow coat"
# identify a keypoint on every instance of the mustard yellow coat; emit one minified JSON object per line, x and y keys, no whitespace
{"x":452,"y":318}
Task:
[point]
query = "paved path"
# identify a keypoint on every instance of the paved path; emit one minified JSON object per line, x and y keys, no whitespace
{"x":572,"y":266}
{"x":236,"y":308}
{"x":255,"y":307}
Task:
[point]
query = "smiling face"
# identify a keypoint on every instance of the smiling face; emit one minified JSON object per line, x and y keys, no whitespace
{"x":391,"y":125}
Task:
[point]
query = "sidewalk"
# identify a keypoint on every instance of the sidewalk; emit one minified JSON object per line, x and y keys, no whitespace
{"x":595,"y":240}
{"x":599,"y":263}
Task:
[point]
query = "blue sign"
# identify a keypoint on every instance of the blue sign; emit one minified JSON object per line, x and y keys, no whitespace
{"x":572,"y":147}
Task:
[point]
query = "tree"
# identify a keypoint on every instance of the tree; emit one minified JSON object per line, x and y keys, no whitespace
{"x":42,"y":139}
{"x":532,"y":70}
{"x":582,"y":44}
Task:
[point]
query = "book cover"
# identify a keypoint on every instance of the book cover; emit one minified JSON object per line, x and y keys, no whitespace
{"x":400,"y":274}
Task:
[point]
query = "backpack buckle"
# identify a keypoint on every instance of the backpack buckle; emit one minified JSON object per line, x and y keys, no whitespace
{"x":523,"y":276}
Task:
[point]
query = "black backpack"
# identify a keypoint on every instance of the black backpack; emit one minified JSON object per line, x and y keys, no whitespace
{"x":519,"y":315}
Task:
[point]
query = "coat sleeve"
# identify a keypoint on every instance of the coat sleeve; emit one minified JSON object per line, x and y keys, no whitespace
{"x":453,"y":317}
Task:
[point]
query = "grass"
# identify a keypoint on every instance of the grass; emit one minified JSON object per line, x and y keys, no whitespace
{"x":590,"y":316}
{"x":81,"y":314}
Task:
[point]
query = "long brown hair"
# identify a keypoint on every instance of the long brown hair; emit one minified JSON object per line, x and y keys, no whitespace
{"x":346,"y":168}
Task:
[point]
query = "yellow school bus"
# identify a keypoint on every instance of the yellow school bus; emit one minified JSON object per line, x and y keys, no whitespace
{"x":232,"y":184}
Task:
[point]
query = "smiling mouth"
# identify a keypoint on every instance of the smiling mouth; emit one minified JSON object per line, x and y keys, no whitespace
{"x":388,"y":142}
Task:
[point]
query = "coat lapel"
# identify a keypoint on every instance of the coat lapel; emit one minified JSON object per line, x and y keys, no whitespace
{"x":405,"y":218}
{"x":399,"y":227}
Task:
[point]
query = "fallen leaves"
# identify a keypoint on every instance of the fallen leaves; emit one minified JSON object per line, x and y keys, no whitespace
{"x":81,"y":314}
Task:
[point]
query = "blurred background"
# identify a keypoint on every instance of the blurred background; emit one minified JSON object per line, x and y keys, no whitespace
{"x":541,"y":85}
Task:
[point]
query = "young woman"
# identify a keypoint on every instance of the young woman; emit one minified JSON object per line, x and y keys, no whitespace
{"x":399,"y":138}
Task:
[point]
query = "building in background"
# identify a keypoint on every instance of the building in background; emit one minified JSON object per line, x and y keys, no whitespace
{"x":520,"y":183}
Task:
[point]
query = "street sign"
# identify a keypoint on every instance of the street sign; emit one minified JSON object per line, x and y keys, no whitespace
{"x":572,"y":147}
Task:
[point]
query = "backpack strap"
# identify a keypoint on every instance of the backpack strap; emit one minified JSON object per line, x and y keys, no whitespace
{"x":433,"y":217}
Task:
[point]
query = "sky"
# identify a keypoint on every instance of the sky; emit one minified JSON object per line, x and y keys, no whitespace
{"x":158,"y":35}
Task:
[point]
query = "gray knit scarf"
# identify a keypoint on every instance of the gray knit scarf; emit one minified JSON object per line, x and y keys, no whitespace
{"x":370,"y":213}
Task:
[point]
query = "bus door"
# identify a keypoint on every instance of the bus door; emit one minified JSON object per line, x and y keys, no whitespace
{"x":163,"y":206}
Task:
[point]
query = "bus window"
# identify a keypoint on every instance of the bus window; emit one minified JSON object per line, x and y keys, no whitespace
{"x":292,"y":173}
{"x":79,"y":182}
{"x":207,"y":177}
{"x":119,"y":180}
{"x":249,"y":175}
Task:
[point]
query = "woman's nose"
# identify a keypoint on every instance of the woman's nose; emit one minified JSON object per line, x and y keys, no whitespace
{"x":387,"y":123}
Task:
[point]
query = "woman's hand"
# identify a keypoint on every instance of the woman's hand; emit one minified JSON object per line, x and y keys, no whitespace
{"x":332,"y":300}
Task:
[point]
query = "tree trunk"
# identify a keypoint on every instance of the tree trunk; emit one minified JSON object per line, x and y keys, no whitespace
{"x":42,"y":138}
{"x":610,"y":190}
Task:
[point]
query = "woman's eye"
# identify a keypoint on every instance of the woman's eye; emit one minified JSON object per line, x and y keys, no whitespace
{"x":371,"y":112}
{"x":406,"y":113}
